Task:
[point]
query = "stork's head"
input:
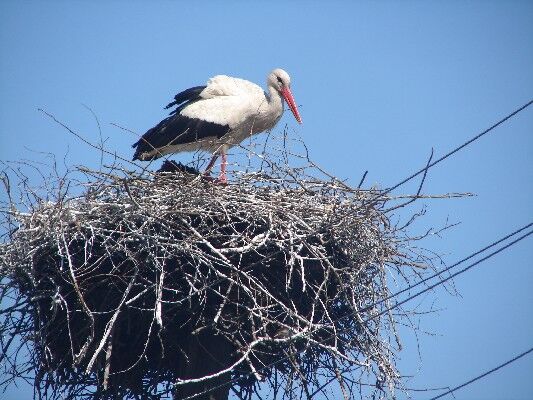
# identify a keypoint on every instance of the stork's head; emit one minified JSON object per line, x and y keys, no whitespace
{"x":281,"y":81}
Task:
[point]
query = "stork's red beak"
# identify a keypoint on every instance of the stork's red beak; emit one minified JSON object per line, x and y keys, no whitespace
{"x":287,"y":95}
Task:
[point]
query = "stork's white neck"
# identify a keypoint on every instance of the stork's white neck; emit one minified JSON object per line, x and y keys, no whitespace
{"x":274,"y":98}
{"x":269,"y":111}
{"x":274,"y":107}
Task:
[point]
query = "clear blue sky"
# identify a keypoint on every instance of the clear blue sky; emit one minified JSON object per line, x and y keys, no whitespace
{"x":379,"y":85}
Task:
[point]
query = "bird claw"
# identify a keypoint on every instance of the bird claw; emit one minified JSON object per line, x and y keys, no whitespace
{"x":221,"y":180}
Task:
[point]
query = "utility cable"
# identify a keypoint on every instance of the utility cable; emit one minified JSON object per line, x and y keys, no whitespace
{"x":495,"y":125}
{"x":484,"y":374}
{"x":449,"y":267}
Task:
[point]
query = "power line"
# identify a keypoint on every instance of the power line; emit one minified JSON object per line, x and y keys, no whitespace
{"x":484,"y":374}
{"x":231,"y":381}
{"x":455,"y":274}
{"x":495,"y":125}
{"x":449,"y":267}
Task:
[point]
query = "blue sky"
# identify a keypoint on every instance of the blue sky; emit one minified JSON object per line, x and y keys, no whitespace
{"x":379,"y":85}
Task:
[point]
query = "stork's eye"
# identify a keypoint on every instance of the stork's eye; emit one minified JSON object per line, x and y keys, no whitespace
{"x":280,"y":81}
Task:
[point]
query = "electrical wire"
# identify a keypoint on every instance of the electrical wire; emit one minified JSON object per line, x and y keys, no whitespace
{"x":478,"y":136}
{"x":483,"y":375}
{"x":439,"y":273}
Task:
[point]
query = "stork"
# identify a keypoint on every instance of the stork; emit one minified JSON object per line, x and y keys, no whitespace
{"x":218,"y":116}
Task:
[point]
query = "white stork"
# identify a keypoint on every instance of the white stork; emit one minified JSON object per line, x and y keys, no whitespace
{"x":218,"y":116}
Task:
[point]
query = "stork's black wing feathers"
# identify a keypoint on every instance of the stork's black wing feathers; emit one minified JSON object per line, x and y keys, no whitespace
{"x":188,"y":95}
{"x":176,"y":129}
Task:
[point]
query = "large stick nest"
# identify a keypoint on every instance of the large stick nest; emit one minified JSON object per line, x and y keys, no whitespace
{"x":144,"y":283}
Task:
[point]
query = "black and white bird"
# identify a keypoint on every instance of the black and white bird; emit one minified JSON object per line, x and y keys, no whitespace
{"x":218,"y":116}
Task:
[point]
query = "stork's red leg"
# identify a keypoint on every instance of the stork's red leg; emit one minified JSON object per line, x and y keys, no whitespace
{"x":222,"y":177}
